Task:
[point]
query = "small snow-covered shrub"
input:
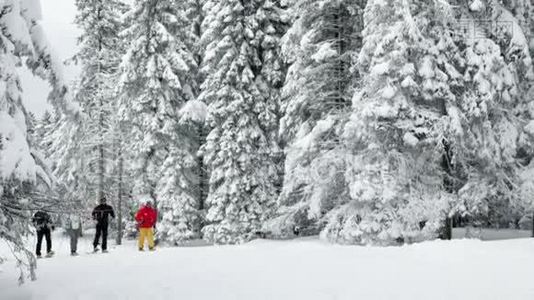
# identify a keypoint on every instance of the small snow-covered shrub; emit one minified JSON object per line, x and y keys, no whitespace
{"x":526,"y":222}
{"x":291,"y":222}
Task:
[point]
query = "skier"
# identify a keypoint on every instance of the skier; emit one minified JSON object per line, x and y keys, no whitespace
{"x":43,"y":224}
{"x":73,"y":225}
{"x":146,"y":219}
{"x":101,"y":215}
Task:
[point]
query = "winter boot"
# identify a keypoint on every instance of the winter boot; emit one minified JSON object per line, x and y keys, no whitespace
{"x":73,"y":253}
{"x":50,"y":254}
{"x":95,"y":250}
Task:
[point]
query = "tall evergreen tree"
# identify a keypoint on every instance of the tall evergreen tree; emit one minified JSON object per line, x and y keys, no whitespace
{"x":316,"y":98}
{"x":158,"y":72}
{"x":421,"y":102}
{"x":99,"y":57}
{"x":240,"y":40}
{"x":493,"y":111}
{"x":196,"y":16}
{"x":63,"y":144}
{"x":395,"y":130}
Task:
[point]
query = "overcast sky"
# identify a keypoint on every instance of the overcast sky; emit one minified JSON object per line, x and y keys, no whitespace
{"x":58,"y":22}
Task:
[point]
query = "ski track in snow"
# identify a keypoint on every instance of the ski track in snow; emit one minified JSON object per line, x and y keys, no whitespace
{"x":298,"y":269}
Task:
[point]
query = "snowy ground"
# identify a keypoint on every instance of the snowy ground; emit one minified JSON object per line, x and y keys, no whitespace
{"x":299,"y":269}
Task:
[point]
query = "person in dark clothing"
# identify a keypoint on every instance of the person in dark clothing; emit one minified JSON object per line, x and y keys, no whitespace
{"x":101,"y":215}
{"x":43,"y":224}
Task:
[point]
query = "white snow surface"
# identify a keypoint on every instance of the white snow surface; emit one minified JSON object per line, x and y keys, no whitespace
{"x":380,"y":69}
{"x":410,"y":139}
{"x":324,"y":52}
{"x":298,"y":269}
{"x":193,"y":111}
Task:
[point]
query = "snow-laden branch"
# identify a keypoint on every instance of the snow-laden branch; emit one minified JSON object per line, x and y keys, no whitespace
{"x":193,"y":111}
{"x":43,"y":60}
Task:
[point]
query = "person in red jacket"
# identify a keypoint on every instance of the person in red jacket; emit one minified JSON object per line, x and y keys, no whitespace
{"x":146,"y":219}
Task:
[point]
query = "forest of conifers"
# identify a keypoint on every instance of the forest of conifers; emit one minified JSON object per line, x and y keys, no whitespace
{"x":367,"y":122}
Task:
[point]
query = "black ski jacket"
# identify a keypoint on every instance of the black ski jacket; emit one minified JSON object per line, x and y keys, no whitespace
{"x":102,"y":212}
{"x":41,"y":220}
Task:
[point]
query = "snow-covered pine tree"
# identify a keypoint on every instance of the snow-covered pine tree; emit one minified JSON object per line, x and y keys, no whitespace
{"x":62,"y":143}
{"x":178,"y":188}
{"x":239,"y":153}
{"x":519,"y":48}
{"x":527,"y":186}
{"x":122,"y":182}
{"x":395,"y":131}
{"x":422,"y":101}
{"x":196,"y":15}
{"x":99,"y":57}
{"x":157,"y":79}
{"x":316,"y":97}
{"x":22,"y":169}
{"x":493,"y":109}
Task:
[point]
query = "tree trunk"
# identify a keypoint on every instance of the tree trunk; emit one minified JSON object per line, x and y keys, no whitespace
{"x":447,"y":234}
{"x":100,"y":188}
{"x":201,"y":171}
{"x":449,"y":178}
{"x":119,"y":204}
{"x":533,"y":224}
{"x":101,"y":169}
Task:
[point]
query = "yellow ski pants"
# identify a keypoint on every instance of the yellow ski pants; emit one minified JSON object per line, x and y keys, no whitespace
{"x":147,"y":233}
